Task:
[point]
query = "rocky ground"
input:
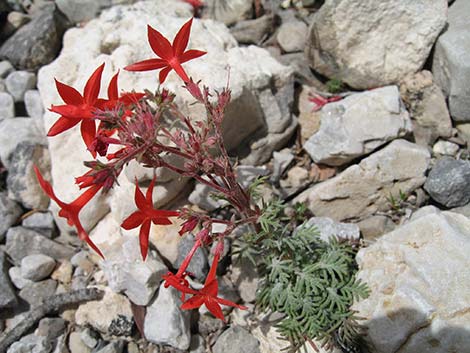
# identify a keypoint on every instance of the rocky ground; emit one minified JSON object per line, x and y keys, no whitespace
{"x":359,"y":108}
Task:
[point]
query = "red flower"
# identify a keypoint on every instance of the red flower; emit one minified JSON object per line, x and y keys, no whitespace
{"x":171,"y":56}
{"x":126,"y":98}
{"x":196,"y":4}
{"x":78,"y":108}
{"x":70,"y":211}
{"x":145,"y":215}
{"x":320,"y":101}
{"x":208,"y":294}
{"x":189,"y":225}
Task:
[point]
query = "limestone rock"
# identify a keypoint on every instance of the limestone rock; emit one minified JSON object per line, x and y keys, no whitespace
{"x":357,"y":125}
{"x":291,"y":36}
{"x":18,"y":82}
{"x":127,"y":272}
{"x":363,"y":189}
{"x":7,"y":294}
{"x":328,"y":228}
{"x":228,"y":12}
{"x":236,"y":340}
{"x":448,"y":182}
{"x":10,"y":211}
{"x":38,"y":42}
{"x":368,"y":44}
{"x":37,"y":267}
{"x":111,"y":315}
{"x":165,"y":322}
{"x":7,"y":106}
{"x":427,"y":106}
{"x":419,"y":298}
{"x":450,"y":69}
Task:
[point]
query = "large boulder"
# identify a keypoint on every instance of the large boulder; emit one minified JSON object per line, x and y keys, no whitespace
{"x":367,"y":43}
{"x":357,"y":125}
{"x":365,"y":188}
{"x":450,"y":66}
{"x":420,"y":288}
{"x":262,"y":88}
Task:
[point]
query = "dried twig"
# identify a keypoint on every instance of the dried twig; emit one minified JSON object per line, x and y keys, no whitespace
{"x":50,"y":305}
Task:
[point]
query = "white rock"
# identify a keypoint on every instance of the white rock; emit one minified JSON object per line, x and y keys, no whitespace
{"x":166,"y":322}
{"x":111,"y":315}
{"x":291,"y":36}
{"x":445,"y":148}
{"x":363,"y":189}
{"x":228,"y":12}
{"x":127,"y":272}
{"x":13,"y":132}
{"x":5,"y":68}
{"x":31,"y":344}
{"x":419,"y":301}
{"x":328,"y":228}
{"x":357,"y":125}
{"x":368,"y":44}
{"x":37,"y":267}
{"x":18,"y":82}
{"x":17,"y":279}
{"x":7,"y":106}
{"x":34,"y":108}
{"x":449,"y":66}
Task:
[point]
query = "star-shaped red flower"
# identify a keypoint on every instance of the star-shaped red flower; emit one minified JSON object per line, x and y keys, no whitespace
{"x":170,"y":56}
{"x":78,"y":108}
{"x":70,"y":211}
{"x":145,"y":215}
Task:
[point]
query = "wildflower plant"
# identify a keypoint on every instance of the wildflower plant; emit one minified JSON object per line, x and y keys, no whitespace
{"x":149,"y":128}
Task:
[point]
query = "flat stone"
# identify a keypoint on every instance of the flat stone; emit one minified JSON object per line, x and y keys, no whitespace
{"x":7,"y":106}
{"x":36,"y":43}
{"x":36,"y":292}
{"x":22,"y":183}
{"x":51,"y":327}
{"x":37,"y":267}
{"x":417,"y":301}
{"x":448,"y":182}
{"x":10,"y":212}
{"x":18,"y":82}
{"x":127,"y":272}
{"x":375,"y":226}
{"x":253,"y":31}
{"x":357,"y":125}
{"x":450,"y":69}
{"x":7,"y":294}
{"x":22,"y":242}
{"x":76,"y":344}
{"x":34,"y":108}
{"x":113,"y":347}
{"x":367,"y":46}
{"x":165,"y":322}
{"x":363,"y":189}
{"x":236,"y":340}
{"x":445,"y":148}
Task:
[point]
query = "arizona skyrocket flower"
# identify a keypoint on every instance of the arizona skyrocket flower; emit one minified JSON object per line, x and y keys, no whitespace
{"x":78,"y":108}
{"x":320,"y":101}
{"x":71,"y":211}
{"x":145,"y":215}
{"x":208,"y":294}
{"x":170,"y":56}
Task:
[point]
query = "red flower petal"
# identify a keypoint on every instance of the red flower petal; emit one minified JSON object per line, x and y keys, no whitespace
{"x":192,"y":303}
{"x":212,"y":288}
{"x":147,"y":65}
{"x":113,"y":93}
{"x":92,"y":87}
{"x":72,"y":111}
{"x":131,"y":98}
{"x":144,"y":238}
{"x":230,"y":303}
{"x":134,"y":220}
{"x":61,"y":125}
{"x":191,"y":54}
{"x":163,"y":74}
{"x":139,"y":198}
{"x":159,"y":44}
{"x":149,"y":193}
{"x":88,"y":130}
{"x":69,"y":94}
{"x":182,"y":37}
{"x":214,"y":308}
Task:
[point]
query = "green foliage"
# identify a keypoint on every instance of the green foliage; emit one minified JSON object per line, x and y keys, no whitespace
{"x":309,"y":280}
{"x":334,"y":85}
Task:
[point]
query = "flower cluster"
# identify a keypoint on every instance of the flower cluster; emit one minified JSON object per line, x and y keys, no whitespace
{"x":149,"y":128}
